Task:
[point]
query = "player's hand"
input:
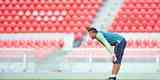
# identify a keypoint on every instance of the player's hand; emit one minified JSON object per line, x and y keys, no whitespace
{"x":114,"y":58}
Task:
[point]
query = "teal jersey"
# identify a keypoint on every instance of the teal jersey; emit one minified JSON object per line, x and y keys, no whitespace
{"x":112,"y":38}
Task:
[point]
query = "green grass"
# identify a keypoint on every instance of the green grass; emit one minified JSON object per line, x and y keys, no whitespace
{"x":77,"y":76}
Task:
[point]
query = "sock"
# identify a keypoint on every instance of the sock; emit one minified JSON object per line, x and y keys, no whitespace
{"x":113,"y":75}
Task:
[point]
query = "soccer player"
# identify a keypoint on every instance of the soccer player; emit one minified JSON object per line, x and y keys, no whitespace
{"x":108,"y":39}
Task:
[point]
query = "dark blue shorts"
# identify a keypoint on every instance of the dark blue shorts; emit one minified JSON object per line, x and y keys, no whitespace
{"x":119,"y":51}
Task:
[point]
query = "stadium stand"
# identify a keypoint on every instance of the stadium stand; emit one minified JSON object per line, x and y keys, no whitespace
{"x":23,"y":16}
{"x":73,"y":16}
{"x":137,"y":16}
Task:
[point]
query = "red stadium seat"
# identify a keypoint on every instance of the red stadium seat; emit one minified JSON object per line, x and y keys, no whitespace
{"x":126,"y":29}
{"x":156,"y":28}
{"x":68,"y":29}
{"x":78,"y":36}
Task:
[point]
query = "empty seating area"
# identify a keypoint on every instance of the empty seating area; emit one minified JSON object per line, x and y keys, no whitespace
{"x":35,"y":40}
{"x":23,"y":16}
{"x":31,"y":16}
{"x":130,"y":44}
{"x":143,"y":44}
{"x":31,"y":43}
{"x":138,"y":16}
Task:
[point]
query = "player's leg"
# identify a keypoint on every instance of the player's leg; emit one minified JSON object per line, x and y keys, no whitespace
{"x":119,"y":50}
{"x":115,"y":69}
{"x":117,"y":64}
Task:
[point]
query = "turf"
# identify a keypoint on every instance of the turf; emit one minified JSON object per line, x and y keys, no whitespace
{"x":77,"y":76}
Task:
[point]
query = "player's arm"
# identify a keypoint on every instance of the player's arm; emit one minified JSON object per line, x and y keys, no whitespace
{"x":105,"y":43}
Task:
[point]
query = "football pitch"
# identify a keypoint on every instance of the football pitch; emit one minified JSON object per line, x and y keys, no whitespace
{"x":78,"y":76}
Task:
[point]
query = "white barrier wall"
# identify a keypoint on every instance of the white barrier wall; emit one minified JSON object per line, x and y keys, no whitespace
{"x":25,"y":56}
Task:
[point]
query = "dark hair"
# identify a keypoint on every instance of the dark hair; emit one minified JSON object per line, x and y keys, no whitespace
{"x":94,"y":30}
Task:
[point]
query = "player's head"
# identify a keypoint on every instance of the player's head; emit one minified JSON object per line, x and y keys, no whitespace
{"x":92,"y":32}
